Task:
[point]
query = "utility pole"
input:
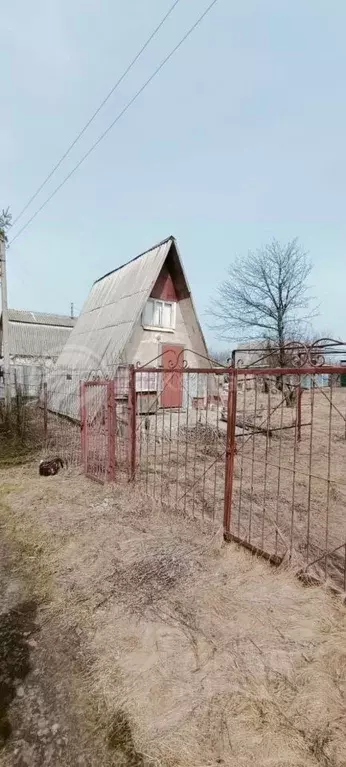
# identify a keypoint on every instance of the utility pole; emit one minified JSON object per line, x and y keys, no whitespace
{"x":72,"y":312}
{"x":5,"y":335}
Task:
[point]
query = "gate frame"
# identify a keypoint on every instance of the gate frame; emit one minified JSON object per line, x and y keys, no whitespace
{"x":232,"y":374}
{"x":231,"y":436}
{"x":110,"y":428}
{"x":132,"y":425}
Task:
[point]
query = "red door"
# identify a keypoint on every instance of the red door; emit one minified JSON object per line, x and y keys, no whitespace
{"x":172,"y":393}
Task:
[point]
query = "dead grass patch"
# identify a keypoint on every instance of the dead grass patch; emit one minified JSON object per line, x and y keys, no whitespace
{"x":203,"y":654}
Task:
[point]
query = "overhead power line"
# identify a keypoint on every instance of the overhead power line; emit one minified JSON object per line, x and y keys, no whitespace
{"x":118,"y":117}
{"x":86,"y":126}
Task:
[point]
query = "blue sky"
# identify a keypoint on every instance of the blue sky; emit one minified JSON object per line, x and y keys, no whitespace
{"x":240,"y":138}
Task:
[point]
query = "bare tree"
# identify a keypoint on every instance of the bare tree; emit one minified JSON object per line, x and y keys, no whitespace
{"x":265,"y":296}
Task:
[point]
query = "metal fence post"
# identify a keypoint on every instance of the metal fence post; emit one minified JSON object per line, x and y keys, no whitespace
{"x":83,"y":425}
{"x":111,"y":431}
{"x":299,"y":411}
{"x":45,"y":413}
{"x":132,"y":408}
{"x":230,"y":450}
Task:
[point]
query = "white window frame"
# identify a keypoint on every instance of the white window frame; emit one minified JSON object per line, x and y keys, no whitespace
{"x":155,"y":302}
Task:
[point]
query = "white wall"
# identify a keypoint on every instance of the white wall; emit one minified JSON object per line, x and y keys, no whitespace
{"x":145,"y":345}
{"x":145,"y":348}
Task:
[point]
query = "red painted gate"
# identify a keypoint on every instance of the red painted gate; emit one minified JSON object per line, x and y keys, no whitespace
{"x":98,"y":429}
{"x":265,"y":446}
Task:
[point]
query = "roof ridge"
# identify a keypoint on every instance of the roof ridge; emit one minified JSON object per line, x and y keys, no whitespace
{"x":34,"y":311}
{"x":153,"y":247}
{"x":28,"y":316}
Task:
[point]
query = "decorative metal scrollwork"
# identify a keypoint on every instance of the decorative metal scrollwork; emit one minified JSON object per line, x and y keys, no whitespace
{"x":300,"y":354}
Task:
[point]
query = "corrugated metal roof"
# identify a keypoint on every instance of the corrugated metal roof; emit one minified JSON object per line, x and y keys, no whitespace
{"x":110,"y":312}
{"x":41,"y":318}
{"x":29,"y":340}
{"x":104,"y":327}
{"x":154,"y":247}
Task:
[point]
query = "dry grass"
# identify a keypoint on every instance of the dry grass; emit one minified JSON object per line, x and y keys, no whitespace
{"x":23,"y":437}
{"x":199,"y":654}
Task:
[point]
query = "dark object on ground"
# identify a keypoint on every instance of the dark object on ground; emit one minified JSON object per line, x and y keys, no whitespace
{"x":48,"y":468}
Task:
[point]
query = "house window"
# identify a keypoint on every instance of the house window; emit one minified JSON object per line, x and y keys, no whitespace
{"x":159,"y":314}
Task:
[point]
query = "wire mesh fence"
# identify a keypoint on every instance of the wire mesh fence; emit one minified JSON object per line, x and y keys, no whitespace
{"x":23,"y":427}
{"x":263,"y":450}
{"x":260,"y":451}
{"x":181,"y":447}
{"x":288,"y":482}
{"x":45,"y":415}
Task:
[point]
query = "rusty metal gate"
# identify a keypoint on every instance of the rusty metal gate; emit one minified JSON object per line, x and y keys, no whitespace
{"x":260,"y":451}
{"x":98,"y":429}
{"x":180,"y":449}
{"x":285,"y":490}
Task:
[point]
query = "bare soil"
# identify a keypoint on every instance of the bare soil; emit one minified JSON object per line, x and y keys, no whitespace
{"x":149,"y":641}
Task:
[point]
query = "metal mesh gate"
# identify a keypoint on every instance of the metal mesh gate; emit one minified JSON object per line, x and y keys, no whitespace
{"x":180,"y":450}
{"x":98,"y":429}
{"x":286,"y":488}
{"x":261,"y":451}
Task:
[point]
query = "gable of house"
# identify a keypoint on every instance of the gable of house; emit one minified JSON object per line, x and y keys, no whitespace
{"x":134,"y":314}
{"x":114,"y":323}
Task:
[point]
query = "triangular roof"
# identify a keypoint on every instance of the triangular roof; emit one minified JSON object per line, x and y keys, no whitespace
{"x":114,"y":306}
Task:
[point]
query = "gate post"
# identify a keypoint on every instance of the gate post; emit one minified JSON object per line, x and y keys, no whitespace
{"x":230,"y":450}
{"x":45,"y":413}
{"x":111,"y":431}
{"x":132,"y":412}
{"x":83,"y":424}
{"x":299,"y":411}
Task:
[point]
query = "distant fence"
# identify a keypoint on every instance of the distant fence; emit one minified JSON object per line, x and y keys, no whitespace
{"x":46,"y":412}
{"x":28,"y":378}
{"x":30,"y":427}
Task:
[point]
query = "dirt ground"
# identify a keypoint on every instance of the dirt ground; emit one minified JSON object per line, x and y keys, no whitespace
{"x":132,"y":636}
{"x":46,"y":717}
